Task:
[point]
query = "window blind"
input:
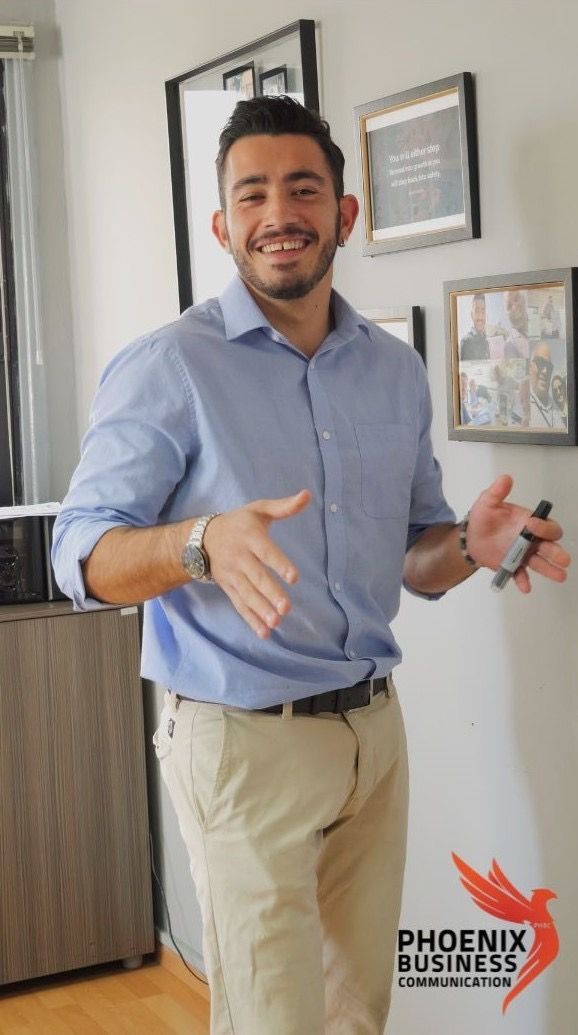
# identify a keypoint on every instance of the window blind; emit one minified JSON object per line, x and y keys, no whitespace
{"x":16,"y":41}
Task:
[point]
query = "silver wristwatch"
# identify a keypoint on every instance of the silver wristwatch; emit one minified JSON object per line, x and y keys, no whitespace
{"x":193,"y":558}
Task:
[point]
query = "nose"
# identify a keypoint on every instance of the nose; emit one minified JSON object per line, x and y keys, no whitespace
{"x":279,"y":210}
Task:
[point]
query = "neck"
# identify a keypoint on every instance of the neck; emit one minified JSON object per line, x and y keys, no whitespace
{"x":305,"y":322}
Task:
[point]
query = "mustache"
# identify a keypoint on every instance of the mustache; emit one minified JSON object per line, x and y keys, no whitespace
{"x":288,"y":230}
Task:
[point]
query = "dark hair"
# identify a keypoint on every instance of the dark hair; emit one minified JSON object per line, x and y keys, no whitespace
{"x":479,"y":297}
{"x":274,"y":116}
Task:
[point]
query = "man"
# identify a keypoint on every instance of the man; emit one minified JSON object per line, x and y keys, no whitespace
{"x":550,"y":319}
{"x":465,"y":415}
{"x":475,"y":344}
{"x":560,"y":397}
{"x":516,"y":345}
{"x":282,"y":742}
{"x":543,"y":412}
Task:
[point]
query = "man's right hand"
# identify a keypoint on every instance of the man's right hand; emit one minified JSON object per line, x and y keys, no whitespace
{"x":242,"y":557}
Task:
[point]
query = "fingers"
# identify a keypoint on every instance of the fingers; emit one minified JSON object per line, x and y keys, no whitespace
{"x":247,"y":564}
{"x":522,"y":580}
{"x":254,"y":607}
{"x":547,"y":568}
{"x":550,"y":561}
{"x":264,"y":589}
{"x":268,"y":553}
{"x":258,"y":597}
{"x":254,"y":591}
{"x":500,"y":488}
{"x":285,"y":507}
{"x":547,"y":530}
{"x":553,"y":553}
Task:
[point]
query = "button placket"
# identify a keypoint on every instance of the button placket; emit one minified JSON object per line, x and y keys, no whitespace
{"x":333,"y":488}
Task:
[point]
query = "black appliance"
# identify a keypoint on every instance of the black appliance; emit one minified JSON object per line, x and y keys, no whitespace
{"x":26,"y":574}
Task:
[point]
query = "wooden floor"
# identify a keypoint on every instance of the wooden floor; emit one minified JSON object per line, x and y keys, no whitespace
{"x":150,"y":1001}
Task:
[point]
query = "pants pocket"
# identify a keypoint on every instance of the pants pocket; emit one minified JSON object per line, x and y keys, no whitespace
{"x":163,"y":735}
{"x":209,"y":760}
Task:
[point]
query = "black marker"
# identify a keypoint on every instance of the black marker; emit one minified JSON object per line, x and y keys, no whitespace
{"x":519,"y":549}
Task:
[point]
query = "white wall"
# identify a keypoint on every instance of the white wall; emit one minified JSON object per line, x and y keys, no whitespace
{"x":488,"y":683}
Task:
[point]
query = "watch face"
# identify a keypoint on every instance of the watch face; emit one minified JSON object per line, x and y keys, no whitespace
{"x":193,"y":561}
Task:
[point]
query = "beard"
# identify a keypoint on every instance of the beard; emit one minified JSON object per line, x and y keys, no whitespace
{"x":293,"y":285}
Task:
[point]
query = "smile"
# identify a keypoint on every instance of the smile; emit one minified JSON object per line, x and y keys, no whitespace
{"x":283,"y":246}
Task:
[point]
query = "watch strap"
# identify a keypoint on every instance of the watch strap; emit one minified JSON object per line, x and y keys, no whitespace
{"x":195,"y":539}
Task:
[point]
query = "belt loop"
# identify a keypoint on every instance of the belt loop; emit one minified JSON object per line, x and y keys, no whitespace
{"x":371,"y":689}
{"x":288,"y":710}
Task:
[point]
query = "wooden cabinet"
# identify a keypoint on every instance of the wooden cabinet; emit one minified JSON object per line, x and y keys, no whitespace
{"x":75,"y":885}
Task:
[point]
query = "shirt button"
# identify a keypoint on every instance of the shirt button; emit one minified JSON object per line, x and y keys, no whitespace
{"x":337,"y":586}
{"x":352,"y":653}
{"x":326,"y":434}
{"x":334,"y":508}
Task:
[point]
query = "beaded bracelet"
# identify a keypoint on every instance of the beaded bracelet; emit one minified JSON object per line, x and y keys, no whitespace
{"x":463,"y":541}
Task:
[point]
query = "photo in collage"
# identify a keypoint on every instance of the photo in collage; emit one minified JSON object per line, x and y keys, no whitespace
{"x":512,"y":359}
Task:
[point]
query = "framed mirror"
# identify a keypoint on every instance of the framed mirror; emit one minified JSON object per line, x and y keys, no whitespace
{"x":199,"y":102}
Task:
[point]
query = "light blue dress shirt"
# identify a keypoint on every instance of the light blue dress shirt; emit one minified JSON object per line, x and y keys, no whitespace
{"x":218,"y":409}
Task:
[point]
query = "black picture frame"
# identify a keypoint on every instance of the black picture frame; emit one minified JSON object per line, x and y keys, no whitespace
{"x":406,"y":320}
{"x":272,"y":74}
{"x":303,"y":31}
{"x":511,"y":357}
{"x":418,"y":166}
{"x":241,"y":80}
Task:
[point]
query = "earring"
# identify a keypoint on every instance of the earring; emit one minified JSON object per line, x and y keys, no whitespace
{"x":342,"y":243}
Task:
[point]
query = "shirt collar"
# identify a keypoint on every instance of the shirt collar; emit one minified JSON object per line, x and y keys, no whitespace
{"x":240,"y":310}
{"x":241,"y":314}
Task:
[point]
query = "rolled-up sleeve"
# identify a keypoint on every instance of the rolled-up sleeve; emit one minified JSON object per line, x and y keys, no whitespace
{"x":428,"y":503}
{"x":140,"y":438}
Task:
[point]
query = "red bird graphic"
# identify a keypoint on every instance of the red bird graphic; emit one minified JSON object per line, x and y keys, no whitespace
{"x":497,"y":896}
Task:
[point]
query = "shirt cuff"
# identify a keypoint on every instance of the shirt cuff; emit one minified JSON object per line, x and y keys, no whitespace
{"x":424,"y":596}
{"x":71,"y":546}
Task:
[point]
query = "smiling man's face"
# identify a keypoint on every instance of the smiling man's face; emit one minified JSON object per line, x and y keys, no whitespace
{"x":282,"y":221}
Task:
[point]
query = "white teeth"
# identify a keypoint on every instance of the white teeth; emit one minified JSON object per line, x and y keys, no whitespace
{"x":285,"y":246}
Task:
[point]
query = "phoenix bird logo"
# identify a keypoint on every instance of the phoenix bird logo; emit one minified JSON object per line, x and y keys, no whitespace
{"x":496,"y":895}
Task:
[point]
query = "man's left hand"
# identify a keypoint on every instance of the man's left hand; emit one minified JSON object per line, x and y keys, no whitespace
{"x":494,"y":525}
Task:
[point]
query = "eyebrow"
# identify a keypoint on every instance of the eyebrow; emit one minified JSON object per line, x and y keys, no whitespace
{"x":292,"y":177}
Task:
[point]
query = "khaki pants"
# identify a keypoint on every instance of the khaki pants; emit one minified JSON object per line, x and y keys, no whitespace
{"x":296,"y":828}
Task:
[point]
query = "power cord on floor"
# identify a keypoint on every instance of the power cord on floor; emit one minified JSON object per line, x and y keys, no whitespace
{"x":195,"y":973}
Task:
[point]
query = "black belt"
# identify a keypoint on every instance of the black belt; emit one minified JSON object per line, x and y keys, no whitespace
{"x":349,"y":697}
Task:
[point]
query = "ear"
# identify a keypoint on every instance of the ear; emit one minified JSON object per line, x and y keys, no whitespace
{"x":219,"y":228}
{"x":349,"y":209}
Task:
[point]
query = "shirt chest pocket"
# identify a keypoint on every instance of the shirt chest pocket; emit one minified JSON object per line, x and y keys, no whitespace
{"x":387,"y":453}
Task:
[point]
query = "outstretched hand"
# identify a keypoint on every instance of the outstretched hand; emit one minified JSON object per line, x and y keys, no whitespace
{"x":244,"y":559}
{"x":494,"y":525}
